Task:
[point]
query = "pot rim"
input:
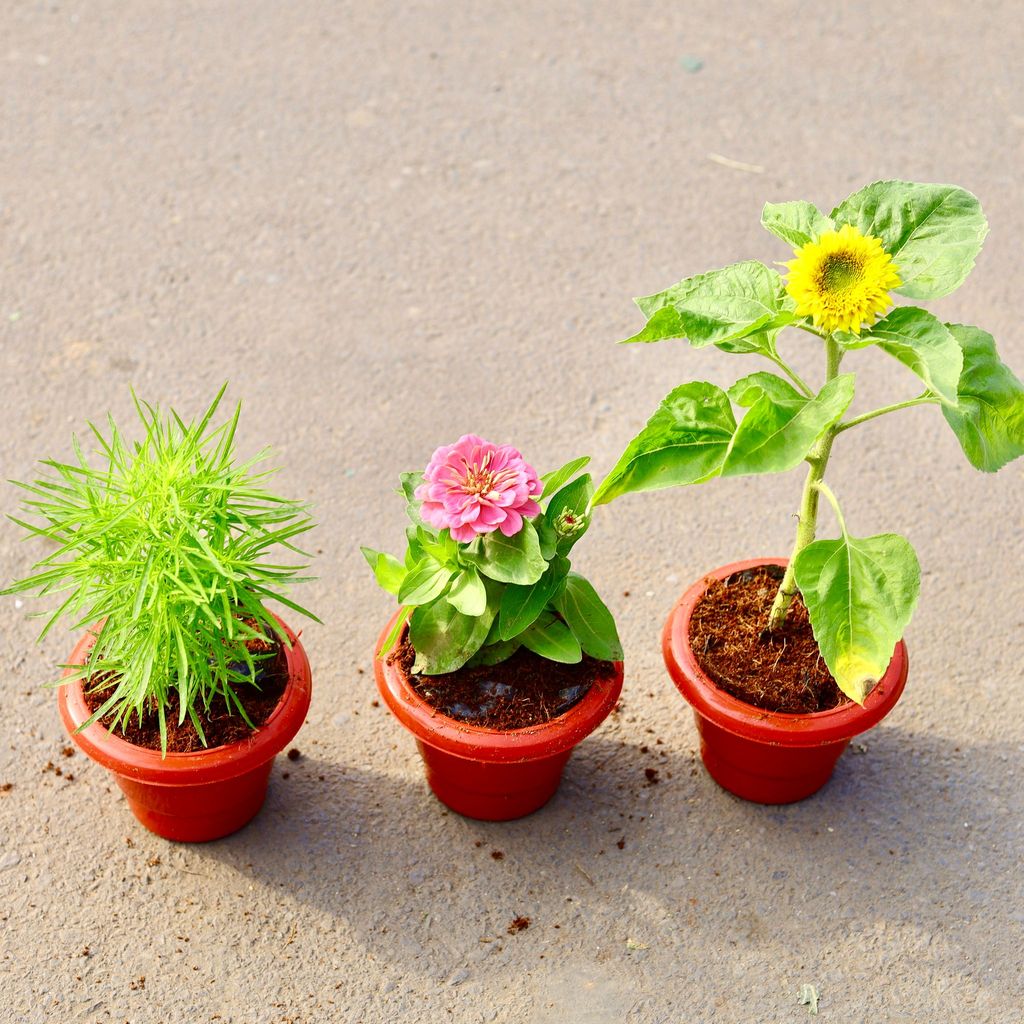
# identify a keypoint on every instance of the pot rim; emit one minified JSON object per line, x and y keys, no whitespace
{"x":774,"y":727}
{"x":478,"y":743}
{"x":214,"y":764}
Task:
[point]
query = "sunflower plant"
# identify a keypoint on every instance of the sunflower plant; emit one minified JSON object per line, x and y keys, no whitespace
{"x":486,"y":568}
{"x":891,"y":237}
{"x":165,"y":543}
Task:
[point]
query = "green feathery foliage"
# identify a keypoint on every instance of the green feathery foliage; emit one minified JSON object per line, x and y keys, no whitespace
{"x":166,"y":542}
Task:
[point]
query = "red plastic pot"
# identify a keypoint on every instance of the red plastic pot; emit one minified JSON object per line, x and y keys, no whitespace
{"x":767,"y":756}
{"x":204,"y":795}
{"x":485,"y":773}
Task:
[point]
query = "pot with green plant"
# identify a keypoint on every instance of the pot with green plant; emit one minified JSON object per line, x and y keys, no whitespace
{"x":184,"y":684}
{"x":500,"y":658}
{"x":784,"y":660}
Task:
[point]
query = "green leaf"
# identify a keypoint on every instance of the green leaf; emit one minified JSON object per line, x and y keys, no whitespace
{"x":796,"y":223}
{"x":424,"y":582}
{"x":860,"y":594}
{"x":520,"y":605}
{"x":552,"y":639}
{"x":467,"y":592}
{"x":921,"y":342}
{"x":546,"y":536}
{"x":444,"y":638}
{"x":781,"y":425}
{"x":396,"y":631}
{"x":664,"y":324}
{"x":409,"y":482}
{"x":589,"y":619}
{"x":515,"y":559}
{"x":389,"y":571}
{"x":933,"y":232}
{"x":438,"y":545}
{"x":684,"y":442}
{"x":762,"y":343}
{"x":720,"y":306}
{"x":573,"y":497}
{"x":494,"y":654}
{"x":989,"y":418}
{"x":560,"y":477}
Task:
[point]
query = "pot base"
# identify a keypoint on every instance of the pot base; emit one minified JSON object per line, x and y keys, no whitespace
{"x":489,"y":791}
{"x":761,"y":773}
{"x":490,"y":774}
{"x":225,"y":807}
{"x":204,"y":794}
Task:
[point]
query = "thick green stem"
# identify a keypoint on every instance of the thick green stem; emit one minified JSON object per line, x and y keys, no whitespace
{"x":808,"y":515}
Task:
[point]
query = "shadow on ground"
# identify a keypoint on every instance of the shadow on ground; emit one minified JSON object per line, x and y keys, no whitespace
{"x":423,"y":888}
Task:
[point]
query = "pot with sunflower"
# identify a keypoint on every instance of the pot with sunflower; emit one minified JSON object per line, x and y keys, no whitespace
{"x":500,"y":658}
{"x":784,"y":660}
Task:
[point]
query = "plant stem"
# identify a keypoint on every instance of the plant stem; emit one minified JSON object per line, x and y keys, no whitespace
{"x":808,"y":515}
{"x":925,"y":399}
{"x":792,"y":375}
{"x":824,"y":488}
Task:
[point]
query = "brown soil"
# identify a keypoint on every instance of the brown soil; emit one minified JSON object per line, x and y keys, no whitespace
{"x":218,"y":726}
{"x":525,"y":690}
{"x":780,"y":671}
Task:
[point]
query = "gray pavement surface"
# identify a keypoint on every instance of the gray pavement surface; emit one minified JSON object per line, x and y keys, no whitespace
{"x":387,"y":224}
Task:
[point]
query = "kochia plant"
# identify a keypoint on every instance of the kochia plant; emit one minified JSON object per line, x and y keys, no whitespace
{"x":917,"y":240}
{"x":487,"y":569}
{"x":166,"y":542}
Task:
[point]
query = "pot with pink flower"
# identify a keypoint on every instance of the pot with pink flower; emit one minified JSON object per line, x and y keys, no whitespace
{"x":500,"y":658}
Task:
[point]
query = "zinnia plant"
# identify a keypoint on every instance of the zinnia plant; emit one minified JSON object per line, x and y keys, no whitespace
{"x":914,"y":240}
{"x":486,"y":570}
{"x":166,"y":543}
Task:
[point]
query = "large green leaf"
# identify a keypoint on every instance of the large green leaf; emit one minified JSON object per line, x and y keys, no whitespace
{"x":921,"y":342}
{"x":860,"y":594}
{"x":989,"y":418}
{"x":933,"y":232}
{"x":467,"y":592}
{"x":515,"y":559}
{"x":424,"y":582}
{"x":444,"y":638}
{"x":552,"y":639}
{"x":589,"y":619}
{"x":520,"y":605}
{"x":781,"y":425}
{"x":684,"y":442}
{"x":797,"y":223}
{"x":719,"y":306}
{"x":389,"y":571}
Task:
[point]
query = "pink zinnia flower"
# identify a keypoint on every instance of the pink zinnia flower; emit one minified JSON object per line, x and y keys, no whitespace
{"x":474,"y":487}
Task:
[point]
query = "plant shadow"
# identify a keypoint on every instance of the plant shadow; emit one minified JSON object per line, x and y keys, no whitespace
{"x":910,"y":835}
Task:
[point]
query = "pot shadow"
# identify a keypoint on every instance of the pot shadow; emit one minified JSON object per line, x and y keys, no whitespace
{"x":913,"y":837}
{"x":909,"y":835}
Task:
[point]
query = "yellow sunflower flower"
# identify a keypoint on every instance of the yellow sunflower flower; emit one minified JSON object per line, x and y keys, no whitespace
{"x":842,"y":280}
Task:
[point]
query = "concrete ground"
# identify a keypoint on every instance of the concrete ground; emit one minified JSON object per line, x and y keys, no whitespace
{"x":388,"y":224}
